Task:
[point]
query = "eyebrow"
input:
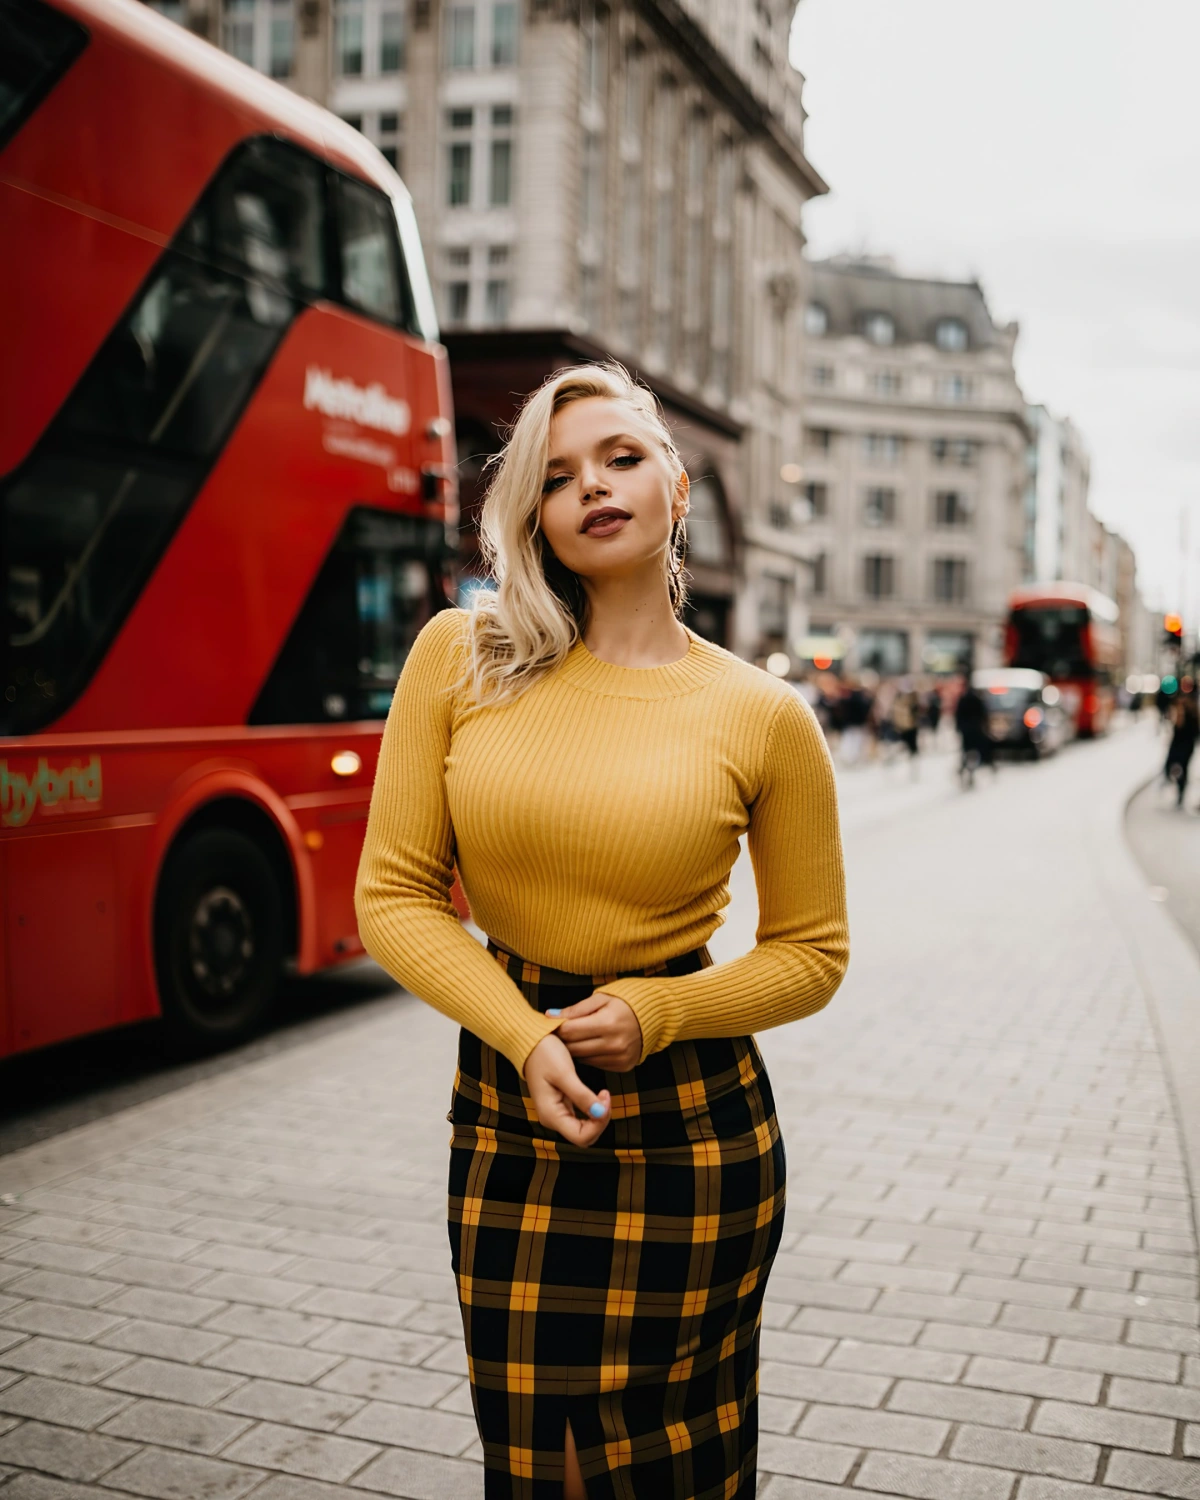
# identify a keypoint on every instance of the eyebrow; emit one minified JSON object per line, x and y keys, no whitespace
{"x":609,"y":442}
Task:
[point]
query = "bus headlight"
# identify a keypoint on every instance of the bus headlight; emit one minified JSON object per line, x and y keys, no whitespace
{"x":346,"y":763}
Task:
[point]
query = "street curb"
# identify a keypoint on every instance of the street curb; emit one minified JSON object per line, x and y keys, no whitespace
{"x":1168,"y":968}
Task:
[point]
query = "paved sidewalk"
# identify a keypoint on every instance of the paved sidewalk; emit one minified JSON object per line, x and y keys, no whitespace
{"x":988,"y":1285}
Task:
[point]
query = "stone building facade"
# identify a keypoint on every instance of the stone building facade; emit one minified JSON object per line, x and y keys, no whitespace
{"x":597,"y":180}
{"x":1056,"y":500}
{"x":914,"y":469}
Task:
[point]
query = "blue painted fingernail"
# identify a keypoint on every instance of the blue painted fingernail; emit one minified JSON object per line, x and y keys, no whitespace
{"x":597,"y":1111}
{"x":554,"y":1012}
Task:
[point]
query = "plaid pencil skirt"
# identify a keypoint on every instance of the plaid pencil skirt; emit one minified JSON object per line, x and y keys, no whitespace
{"x":617,"y":1287}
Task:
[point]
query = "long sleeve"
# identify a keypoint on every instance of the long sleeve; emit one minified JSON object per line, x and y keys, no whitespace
{"x":406,"y":918}
{"x":802,"y":947}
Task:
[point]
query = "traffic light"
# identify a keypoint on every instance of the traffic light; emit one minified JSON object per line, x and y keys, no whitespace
{"x":1172,"y":630}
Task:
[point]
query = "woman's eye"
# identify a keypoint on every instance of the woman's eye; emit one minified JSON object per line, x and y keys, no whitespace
{"x":627,"y":460}
{"x":555,"y":482}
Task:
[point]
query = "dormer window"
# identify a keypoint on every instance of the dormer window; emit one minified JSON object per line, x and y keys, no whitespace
{"x":816,"y":320}
{"x":950,"y":335}
{"x":879,"y":328}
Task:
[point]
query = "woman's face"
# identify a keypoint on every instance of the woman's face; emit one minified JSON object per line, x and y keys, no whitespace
{"x":611,"y":495}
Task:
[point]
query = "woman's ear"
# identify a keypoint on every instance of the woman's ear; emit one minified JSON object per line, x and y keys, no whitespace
{"x":680,"y":503}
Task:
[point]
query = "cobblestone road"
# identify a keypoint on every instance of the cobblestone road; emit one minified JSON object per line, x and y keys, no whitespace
{"x":988,"y":1284}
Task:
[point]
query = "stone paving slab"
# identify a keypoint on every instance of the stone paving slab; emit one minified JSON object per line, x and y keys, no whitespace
{"x":988,"y":1288}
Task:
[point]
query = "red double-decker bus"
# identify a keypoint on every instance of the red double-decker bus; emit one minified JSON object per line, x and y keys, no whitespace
{"x":1068,"y":631}
{"x":226,"y":508}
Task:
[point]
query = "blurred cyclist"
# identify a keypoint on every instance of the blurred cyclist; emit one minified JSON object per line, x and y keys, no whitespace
{"x":970,"y":719}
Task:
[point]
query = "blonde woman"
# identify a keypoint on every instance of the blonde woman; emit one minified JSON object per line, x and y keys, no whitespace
{"x":617,"y":1175}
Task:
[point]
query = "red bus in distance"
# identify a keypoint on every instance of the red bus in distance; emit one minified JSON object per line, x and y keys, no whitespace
{"x":1068,"y":631}
{"x":226,"y":509}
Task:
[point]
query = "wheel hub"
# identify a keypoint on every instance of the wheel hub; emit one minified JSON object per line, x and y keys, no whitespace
{"x":220,"y":943}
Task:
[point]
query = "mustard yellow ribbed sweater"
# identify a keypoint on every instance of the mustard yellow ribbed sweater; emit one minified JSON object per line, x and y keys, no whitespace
{"x":594,"y":822}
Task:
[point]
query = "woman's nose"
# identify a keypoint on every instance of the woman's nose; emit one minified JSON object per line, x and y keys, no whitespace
{"x":593,"y":484}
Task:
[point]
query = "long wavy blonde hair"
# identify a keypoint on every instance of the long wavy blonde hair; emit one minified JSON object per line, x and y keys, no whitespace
{"x":525,"y":627}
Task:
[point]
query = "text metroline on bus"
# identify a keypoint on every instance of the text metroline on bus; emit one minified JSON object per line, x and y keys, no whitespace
{"x":1069,"y":632}
{"x":226,"y":508}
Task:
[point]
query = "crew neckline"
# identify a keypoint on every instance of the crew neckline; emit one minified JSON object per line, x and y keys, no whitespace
{"x":699,"y":665}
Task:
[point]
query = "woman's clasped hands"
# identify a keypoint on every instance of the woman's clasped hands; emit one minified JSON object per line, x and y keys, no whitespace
{"x":601,"y":1031}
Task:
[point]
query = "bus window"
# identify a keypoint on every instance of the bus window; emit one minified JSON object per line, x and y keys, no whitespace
{"x":372,"y":271}
{"x":267,"y":216}
{"x":37,"y":46}
{"x":86,"y":517}
{"x":375,"y":590}
{"x":1050,"y":638}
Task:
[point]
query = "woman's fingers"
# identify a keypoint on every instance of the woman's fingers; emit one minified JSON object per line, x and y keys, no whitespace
{"x":580,"y":1008}
{"x":558,"y":1091}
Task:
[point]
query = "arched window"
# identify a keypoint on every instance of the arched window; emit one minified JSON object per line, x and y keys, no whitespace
{"x":879,"y":328}
{"x":816,"y":320}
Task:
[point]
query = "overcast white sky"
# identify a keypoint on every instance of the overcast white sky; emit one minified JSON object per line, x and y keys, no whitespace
{"x":1052,"y":149}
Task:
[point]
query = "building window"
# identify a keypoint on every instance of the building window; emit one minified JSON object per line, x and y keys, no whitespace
{"x":500,"y":189}
{"x":238,"y":30}
{"x":666,"y":146}
{"x":282,"y":39}
{"x":460,"y":174}
{"x":950,"y":508}
{"x":773,"y":605}
{"x":460,"y":36}
{"x":391,"y":126}
{"x":886,"y":382}
{"x":961,"y":451}
{"x":879,"y":507}
{"x":504,"y":34}
{"x":816,"y":320}
{"x":817,"y":495}
{"x":820,"y":580}
{"x":883,"y":651}
{"x":818,"y":440}
{"x":821,"y":376}
{"x":950,"y":334}
{"x":392,"y":40}
{"x":950,"y":580}
{"x":497,"y":301}
{"x":879,"y":328}
{"x":882,"y":447}
{"x":458,"y":300}
{"x":721,"y":330}
{"x":879,"y":576}
{"x":348,"y":38}
{"x":594,"y":27}
{"x":956,"y":388}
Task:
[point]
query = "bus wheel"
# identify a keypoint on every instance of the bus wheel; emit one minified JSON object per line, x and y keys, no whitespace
{"x":218,"y":939}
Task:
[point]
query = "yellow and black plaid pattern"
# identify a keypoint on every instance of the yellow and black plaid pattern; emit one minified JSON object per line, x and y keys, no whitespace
{"x":618,"y":1287}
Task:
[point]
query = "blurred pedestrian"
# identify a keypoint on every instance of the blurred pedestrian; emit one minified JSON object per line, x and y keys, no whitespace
{"x":856,"y":712}
{"x":933,"y":713}
{"x":617,"y":1174}
{"x":970,"y":719}
{"x":906,"y":720}
{"x":1185,"y":728}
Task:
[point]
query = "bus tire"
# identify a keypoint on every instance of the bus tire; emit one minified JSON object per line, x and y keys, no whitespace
{"x":219,"y":924}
